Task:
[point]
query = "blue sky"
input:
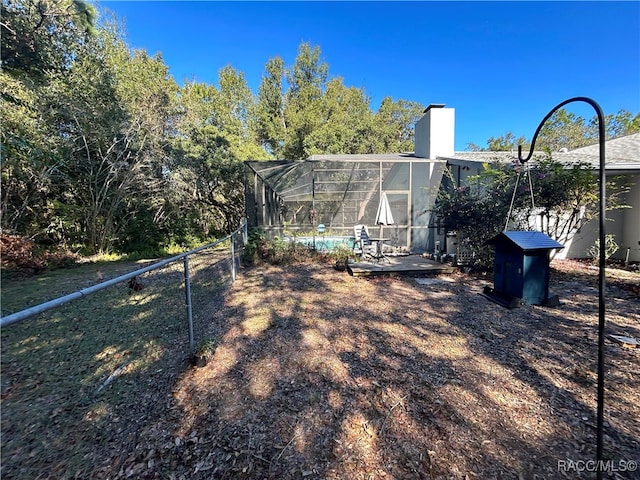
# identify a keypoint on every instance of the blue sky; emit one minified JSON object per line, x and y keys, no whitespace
{"x":501,"y":65}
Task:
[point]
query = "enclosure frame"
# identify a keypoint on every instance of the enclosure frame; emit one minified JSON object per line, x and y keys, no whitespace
{"x":292,"y":199}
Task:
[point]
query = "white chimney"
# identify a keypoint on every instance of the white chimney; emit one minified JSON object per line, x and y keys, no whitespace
{"x":434,"y":132}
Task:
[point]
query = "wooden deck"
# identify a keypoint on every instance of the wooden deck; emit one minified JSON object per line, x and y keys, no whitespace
{"x":407,"y":265}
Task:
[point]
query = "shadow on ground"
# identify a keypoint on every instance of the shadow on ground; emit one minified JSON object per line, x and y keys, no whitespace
{"x":316,"y":374}
{"x":320,"y":375}
{"x":81,"y":382}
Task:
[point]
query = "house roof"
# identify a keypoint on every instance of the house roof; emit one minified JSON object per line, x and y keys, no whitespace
{"x":366,"y":157}
{"x":483,"y":157}
{"x":622,"y":148}
{"x":527,"y":241}
{"x":621,"y":153}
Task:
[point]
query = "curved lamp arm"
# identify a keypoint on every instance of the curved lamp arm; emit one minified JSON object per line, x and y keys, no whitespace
{"x":601,"y":275}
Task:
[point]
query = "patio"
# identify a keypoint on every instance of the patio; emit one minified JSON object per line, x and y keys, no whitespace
{"x":404,"y":265}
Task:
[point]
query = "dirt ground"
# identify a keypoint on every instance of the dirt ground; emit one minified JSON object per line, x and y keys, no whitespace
{"x":315,"y":374}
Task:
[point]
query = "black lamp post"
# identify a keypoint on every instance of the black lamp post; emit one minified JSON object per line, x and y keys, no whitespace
{"x":601,"y":275}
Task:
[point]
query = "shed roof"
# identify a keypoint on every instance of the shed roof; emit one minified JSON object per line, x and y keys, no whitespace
{"x":527,"y":241}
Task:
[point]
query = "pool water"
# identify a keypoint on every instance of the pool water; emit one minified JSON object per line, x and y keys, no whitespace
{"x":326,"y":244}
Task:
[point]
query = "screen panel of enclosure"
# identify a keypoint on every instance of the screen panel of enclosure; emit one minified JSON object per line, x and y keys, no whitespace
{"x":292,"y":198}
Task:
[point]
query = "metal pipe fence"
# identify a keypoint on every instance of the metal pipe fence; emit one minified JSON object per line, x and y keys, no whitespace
{"x":238,"y":236}
{"x":85,"y":373}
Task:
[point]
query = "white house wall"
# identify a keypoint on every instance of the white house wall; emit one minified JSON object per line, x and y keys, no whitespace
{"x":623,"y":224}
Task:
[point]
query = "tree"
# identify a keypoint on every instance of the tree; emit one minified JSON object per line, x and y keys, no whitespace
{"x":506,"y":142}
{"x":618,"y":125}
{"x":39,"y":36}
{"x":215,"y":133}
{"x":317,"y":114}
{"x":212,"y":179}
{"x":343,"y":118}
{"x":30,"y":155}
{"x":147,"y":93}
{"x":271,"y":127}
{"x":307,"y":82}
{"x":39,"y":42}
{"x":111,"y":110}
{"x":394,"y":126}
{"x":565,"y":130}
{"x":237,"y":115}
{"x":230,"y":110}
{"x":308,"y":75}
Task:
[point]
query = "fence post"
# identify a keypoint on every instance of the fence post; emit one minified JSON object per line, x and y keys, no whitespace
{"x":187,"y":290}
{"x":245,"y":239}
{"x":233,"y":258}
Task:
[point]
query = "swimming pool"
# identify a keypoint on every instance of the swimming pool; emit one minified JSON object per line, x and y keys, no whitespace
{"x":326,"y":243}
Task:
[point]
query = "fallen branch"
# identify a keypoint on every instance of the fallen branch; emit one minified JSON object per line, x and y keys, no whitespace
{"x":390,"y":411}
{"x":112,"y":377}
{"x":282,"y":451}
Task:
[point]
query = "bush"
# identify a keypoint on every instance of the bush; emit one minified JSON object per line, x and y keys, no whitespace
{"x":479,"y":209}
{"x":610,"y":247}
{"x":259,"y":249}
{"x":21,"y":256}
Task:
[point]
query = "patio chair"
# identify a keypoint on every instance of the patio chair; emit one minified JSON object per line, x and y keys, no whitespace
{"x":362,"y":245}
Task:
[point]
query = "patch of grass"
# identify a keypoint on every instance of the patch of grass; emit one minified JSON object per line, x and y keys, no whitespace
{"x":54,"y":365}
{"x":80,"y":381}
{"x":206,"y":347}
{"x":20,"y":293}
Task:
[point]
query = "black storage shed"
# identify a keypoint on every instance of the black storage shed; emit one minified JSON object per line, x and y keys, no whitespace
{"x":521,"y":268}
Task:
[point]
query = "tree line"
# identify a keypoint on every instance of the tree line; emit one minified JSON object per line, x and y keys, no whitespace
{"x":102,"y":150}
{"x":566,"y":130}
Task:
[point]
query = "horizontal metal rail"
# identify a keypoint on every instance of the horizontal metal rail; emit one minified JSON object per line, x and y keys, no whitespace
{"x":43,"y":307}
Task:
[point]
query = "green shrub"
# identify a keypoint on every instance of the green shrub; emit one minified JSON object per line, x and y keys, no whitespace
{"x":479,"y":208}
{"x":610,"y":247}
{"x":259,"y":249}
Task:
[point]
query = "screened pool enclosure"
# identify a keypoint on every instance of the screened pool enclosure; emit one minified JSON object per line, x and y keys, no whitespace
{"x":325,"y":196}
